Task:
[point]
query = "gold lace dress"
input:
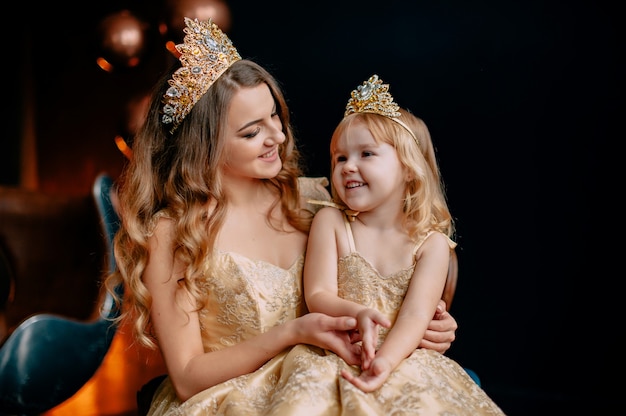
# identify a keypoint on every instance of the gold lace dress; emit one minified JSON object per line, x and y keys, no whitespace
{"x":247,"y":297}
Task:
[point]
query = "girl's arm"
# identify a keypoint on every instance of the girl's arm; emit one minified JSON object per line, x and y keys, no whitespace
{"x":441,"y":331}
{"x":177,"y":328}
{"x":320,"y":266}
{"x":320,"y":280}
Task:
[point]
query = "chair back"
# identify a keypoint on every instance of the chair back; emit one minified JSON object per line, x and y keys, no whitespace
{"x":103,"y":193}
{"x":48,"y":358}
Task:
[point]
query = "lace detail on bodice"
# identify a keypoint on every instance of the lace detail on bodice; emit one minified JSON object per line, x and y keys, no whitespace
{"x":245,"y":297}
{"x":360,"y":282}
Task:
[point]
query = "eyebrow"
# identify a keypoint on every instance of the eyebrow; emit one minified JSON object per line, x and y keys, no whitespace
{"x":251,"y":123}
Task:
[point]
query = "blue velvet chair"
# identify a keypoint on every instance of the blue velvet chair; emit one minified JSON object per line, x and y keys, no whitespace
{"x":48,"y":358}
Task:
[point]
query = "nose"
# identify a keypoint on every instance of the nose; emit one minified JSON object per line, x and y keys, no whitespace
{"x":275,"y":135}
{"x":349,"y":166}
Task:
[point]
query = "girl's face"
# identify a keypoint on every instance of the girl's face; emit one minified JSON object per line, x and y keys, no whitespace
{"x":366,"y":174}
{"x":252,"y":135}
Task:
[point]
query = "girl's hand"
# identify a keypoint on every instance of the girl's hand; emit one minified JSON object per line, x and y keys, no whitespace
{"x":371,"y":379}
{"x":369,"y":323}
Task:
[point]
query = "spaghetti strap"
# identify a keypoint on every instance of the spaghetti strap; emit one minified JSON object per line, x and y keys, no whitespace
{"x":349,"y":233}
{"x":349,"y":216}
{"x":419,"y":244}
{"x":451,"y":243}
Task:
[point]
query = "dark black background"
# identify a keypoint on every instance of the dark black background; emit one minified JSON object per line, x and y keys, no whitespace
{"x":522,"y":99}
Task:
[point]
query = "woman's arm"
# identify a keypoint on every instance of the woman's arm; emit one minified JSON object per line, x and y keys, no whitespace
{"x":177,"y":328}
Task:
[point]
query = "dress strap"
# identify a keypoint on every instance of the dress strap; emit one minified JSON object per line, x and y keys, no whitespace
{"x":349,"y":216}
{"x":346,"y":222}
{"x":451,"y":243}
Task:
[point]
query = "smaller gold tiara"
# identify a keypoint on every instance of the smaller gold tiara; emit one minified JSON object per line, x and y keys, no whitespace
{"x":373,"y":97}
{"x":205,"y":54}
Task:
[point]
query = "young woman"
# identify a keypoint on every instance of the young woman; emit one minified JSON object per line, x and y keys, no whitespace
{"x":213,"y":235}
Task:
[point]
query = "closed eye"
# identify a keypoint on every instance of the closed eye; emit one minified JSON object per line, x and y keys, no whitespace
{"x":253,"y":134}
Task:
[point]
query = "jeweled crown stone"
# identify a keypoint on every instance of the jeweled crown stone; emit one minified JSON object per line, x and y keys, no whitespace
{"x":373,"y":97}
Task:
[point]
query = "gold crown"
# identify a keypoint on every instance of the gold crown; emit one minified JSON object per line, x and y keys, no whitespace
{"x":205,"y":54}
{"x":373,"y":97}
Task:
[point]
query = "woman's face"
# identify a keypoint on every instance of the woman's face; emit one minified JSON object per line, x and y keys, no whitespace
{"x":252,"y":135}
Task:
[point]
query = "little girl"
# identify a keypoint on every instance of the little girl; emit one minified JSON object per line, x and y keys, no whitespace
{"x":381,"y":255}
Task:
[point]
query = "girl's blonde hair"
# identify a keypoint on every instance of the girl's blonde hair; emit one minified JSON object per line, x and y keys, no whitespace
{"x":425,"y":207}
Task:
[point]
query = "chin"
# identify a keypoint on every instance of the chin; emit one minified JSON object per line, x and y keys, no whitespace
{"x":276,"y":168}
{"x":271,"y":172}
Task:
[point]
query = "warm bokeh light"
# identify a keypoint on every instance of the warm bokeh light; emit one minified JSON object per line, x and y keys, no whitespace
{"x":123,"y":40}
{"x":104,"y":64}
{"x":171,"y":47}
{"x":123,"y":147}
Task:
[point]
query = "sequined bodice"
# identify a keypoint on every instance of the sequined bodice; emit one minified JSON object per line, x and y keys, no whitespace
{"x":245,"y":297}
{"x":360,"y":282}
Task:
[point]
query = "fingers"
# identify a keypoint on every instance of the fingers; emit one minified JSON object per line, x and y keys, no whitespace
{"x":346,"y":323}
{"x":369,"y":344}
{"x":441,"y":308}
{"x":366,"y":382}
{"x":380,"y":319}
{"x":356,"y":380}
{"x":350,"y":354}
{"x":443,"y":322}
{"x":342,"y":345}
{"x":440,"y":347}
{"x":439,"y":337}
{"x":355,"y":336}
{"x":383,"y":321}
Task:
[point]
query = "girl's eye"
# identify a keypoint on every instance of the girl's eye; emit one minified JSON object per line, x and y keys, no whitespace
{"x":340,"y":158}
{"x":253,"y":134}
{"x":366,"y":154}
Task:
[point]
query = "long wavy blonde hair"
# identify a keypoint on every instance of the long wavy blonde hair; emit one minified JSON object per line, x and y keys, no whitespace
{"x":178,"y":175}
{"x":425,"y":207}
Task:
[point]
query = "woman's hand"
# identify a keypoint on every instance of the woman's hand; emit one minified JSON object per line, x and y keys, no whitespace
{"x":441,"y":330}
{"x":332,"y":333}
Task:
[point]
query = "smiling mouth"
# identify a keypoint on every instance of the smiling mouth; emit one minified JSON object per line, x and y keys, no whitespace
{"x":269,"y":154}
{"x":352,"y":185}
